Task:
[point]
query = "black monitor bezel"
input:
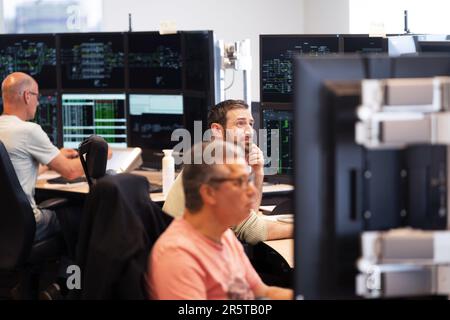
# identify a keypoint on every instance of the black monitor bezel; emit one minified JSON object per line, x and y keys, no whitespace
{"x":52,"y":37}
{"x":81,"y":35}
{"x":315,"y":198}
{"x":265,"y":37}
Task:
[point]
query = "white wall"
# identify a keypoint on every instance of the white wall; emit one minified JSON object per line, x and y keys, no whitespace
{"x":2,"y":26}
{"x":327,"y":16}
{"x":230,"y":20}
{"x":429,"y":16}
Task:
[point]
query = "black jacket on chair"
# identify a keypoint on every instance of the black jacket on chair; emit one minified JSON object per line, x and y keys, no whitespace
{"x":120,"y":225}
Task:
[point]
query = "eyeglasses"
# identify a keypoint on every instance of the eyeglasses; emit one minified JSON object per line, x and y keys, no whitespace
{"x":38,"y":95}
{"x":241,"y":182}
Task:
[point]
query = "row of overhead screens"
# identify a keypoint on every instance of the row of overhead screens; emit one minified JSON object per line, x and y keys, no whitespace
{"x":277,"y":76}
{"x":135,"y":89}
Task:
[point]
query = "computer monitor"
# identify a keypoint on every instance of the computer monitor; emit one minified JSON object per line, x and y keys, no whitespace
{"x":276,"y":53}
{"x":434,"y":46}
{"x":364,"y":44}
{"x":154,"y":61}
{"x":342,"y":189}
{"x":402,"y":45}
{"x":47,"y":116}
{"x":281,"y":119}
{"x":100,"y":114}
{"x":31,"y":54}
{"x":198,"y":61}
{"x":152,"y":120}
{"x":92,"y":61}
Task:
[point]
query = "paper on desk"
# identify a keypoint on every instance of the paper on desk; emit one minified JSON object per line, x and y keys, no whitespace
{"x":267,"y":208}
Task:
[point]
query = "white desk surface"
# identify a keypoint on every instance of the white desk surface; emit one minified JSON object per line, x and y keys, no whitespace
{"x":82,"y":187}
{"x":275,"y":188}
{"x":285,"y":248}
{"x":152,"y":176}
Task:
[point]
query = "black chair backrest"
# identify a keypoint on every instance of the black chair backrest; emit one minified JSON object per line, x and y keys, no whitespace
{"x":120,"y":224}
{"x":93,"y":155}
{"x":17,"y":223}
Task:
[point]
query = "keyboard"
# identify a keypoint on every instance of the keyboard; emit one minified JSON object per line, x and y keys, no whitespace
{"x":155,"y":188}
{"x":62,"y":180}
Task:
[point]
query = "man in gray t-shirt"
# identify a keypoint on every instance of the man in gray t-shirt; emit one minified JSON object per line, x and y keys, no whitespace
{"x":28,"y":145}
{"x":232,"y":121}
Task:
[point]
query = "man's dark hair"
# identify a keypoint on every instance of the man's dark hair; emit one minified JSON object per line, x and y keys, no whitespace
{"x":218,"y":113}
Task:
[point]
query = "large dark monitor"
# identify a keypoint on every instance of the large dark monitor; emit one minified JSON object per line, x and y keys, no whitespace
{"x":434,"y":46}
{"x":92,"y":61}
{"x":281,"y":119}
{"x":402,"y":45}
{"x":46,"y":116}
{"x":152,"y":120}
{"x":343,"y":189}
{"x":198,"y":61}
{"x":276,"y":53}
{"x":32,"y":54}
{"x":154,"y":61}
{"x":101,"y":114}
{"x":364,"y":44}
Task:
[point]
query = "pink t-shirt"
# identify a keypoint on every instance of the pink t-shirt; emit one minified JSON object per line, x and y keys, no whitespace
{"x":184,"y":264}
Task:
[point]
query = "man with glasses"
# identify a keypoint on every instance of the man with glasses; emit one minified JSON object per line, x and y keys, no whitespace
{"x":198,"y":257}
{"x":28,"y":145}
{"x":232,"y":121}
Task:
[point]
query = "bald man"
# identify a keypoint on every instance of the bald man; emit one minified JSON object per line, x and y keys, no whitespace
{"x":28,"y":145}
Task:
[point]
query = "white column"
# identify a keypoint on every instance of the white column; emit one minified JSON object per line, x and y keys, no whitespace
{"x":2,"y":20}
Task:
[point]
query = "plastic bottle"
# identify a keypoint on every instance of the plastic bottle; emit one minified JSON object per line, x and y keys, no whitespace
{"x":168,"y":171}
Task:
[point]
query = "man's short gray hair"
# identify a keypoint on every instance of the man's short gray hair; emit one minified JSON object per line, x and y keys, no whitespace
{"x":205,"y":157}
{"x":15,"y":84}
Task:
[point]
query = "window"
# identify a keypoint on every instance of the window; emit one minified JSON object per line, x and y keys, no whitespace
{"x":48,"y":16}
{"x":429,"y":16}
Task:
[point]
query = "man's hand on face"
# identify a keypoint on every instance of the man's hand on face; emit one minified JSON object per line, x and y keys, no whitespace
{"x":256,"y":159}
{"x":69,"y":153}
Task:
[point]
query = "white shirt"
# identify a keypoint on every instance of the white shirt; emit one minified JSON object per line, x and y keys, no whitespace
{"x":28,"y":146}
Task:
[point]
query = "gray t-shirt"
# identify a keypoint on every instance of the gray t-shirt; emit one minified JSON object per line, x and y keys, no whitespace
{"x":28,"y":146}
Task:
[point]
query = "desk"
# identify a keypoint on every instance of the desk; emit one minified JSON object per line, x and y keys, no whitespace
{"x":79,"y":190}
{"x":277,"y":189}
{"x":274,"y":194}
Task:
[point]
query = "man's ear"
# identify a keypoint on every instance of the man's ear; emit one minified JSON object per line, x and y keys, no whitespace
{"x":208,"y":194}
{"x":25,"y":97}
{"x":217,"y":130}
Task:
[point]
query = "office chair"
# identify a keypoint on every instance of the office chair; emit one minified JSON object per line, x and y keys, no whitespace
{"x":120,"y":224}
{"x":93,"y":152}
{"x":18,"y":251}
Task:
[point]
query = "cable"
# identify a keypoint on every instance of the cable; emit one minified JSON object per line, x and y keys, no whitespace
{"x":232,"y":82}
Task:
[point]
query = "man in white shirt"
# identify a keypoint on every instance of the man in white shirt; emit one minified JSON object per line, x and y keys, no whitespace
{"x":28,"y":145}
